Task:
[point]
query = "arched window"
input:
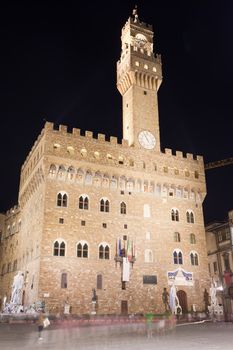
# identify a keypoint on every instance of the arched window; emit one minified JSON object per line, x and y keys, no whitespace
{"x":177,"y":257}
{"x":194,"y":258}
{"x":148,"y":256}
{"x":61,"y":172}
{"x":190,"y":216}
{"x":192,"y":238}
{"x":176,"y":237}
{"x":104,"y":251}
{"x":52,"y":170}
{"x":71,"y":173}
{"x":83,"y":202}
{"x":62,"y":199}
{"x":175,"y":215}
{"x":123,"y":208}
{"x":104,"y":205}
{"x":59,"y":248}
{"x":82,"y":249}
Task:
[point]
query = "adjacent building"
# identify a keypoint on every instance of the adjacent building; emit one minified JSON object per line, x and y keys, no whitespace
{"x":219,"y":238}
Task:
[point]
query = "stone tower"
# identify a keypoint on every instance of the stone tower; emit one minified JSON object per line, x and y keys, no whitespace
{"x":139,"y":76}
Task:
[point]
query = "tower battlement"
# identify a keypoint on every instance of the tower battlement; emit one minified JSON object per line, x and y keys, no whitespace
{"x":141,"y":24}
{"x":76,"y":134}
{"x":182,"y":155}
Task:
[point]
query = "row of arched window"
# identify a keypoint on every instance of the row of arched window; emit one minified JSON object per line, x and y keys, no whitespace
{"x":178,"y":258}
{"x":122,"y":183}
{"x":83,"y":203}
{"x":175,"y":215}
{"x":104,"y":206}
{"x":82,"y":251}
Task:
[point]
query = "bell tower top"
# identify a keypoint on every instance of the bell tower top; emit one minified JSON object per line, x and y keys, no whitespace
{"x":136,"y":33}
{"x":139,"y":75}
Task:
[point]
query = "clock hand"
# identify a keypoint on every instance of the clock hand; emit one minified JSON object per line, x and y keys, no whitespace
{"x":146,"y":138}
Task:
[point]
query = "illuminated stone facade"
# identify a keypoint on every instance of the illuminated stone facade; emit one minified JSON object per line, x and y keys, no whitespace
{"x":79,"y":195}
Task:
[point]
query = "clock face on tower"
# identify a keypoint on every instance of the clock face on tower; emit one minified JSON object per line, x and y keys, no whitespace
{"x":140,"y":40}
{"x":146,"y":139}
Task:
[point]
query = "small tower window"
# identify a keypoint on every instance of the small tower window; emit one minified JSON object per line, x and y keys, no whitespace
{"x":137,"y":63}
{"x":123,"y":208}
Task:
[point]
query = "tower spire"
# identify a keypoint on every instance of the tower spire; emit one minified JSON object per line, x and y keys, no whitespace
{"x":135,"y":14}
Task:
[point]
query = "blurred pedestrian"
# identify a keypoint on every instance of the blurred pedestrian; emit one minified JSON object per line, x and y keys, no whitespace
{"x":40,"y":323}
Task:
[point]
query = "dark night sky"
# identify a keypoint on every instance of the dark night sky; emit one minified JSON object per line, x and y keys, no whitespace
{"x":55,"y":54}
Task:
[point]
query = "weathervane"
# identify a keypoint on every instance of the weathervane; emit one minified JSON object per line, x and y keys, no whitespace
{"x":135,"y":14}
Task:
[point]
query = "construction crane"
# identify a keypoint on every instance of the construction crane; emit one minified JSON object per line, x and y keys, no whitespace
{"x":219,"y":163}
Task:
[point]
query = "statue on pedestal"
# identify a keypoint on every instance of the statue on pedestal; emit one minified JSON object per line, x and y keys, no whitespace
{"x":66,"y":307}
{"x":174,"y":301}
{"x":17,"y":289}
{"x":94,"y":301}
{"x":214,"y":308}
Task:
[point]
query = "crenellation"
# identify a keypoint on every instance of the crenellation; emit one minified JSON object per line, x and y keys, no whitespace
{"x":113,"y":140}
{"x":88,"y":134}
{"x":63,"y":128}
{"x":101,"y":137}
{"x":49,"y":126}
{"x":179,"y":154}
{"x":189,"y":156}
{"x":200,"y":159}
{"x":125,"y":143}
{"x":76,"y":132}
{"x":168,"y":151}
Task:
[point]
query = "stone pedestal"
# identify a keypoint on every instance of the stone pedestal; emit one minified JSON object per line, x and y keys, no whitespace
{"x":93,"y":311}
{"x":66,"y":309}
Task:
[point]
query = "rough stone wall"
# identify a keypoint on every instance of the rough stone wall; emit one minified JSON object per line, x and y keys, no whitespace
{"x":40,"y":225}
{"x":82,"y":272}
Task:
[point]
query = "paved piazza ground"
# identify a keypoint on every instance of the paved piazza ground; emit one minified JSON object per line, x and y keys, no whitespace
{"x":204,"y":336}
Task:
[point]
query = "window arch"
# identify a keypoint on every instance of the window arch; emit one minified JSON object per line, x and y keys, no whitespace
{"x":176,"y":237}
{"x":82,"y":249}
{"x":83,"y":202}
{"x":62,"y":199}
{"x":61,"y":172}
{"x":52,"y":170}
{"x":80,"y":175}
{"x":177,"y":257}
{"x":104,"y":251}
{"x":190,"y":216}
{"x":123,"y":208}
{"x":192,"y":238}
{"x":71,"y":173}
{"x":148,"y":256}
{"x":59,"y":248}
{"x":104,"y":205}
{"x":175,"y":215}
{"x":194,"y":258}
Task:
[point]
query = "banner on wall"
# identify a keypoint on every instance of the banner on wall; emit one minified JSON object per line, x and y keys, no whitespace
{"x":180,"y":277}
